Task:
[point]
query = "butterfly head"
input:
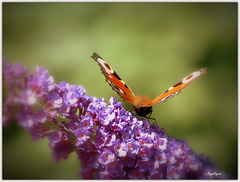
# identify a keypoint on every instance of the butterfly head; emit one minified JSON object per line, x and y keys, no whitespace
{"x":143,"y":111}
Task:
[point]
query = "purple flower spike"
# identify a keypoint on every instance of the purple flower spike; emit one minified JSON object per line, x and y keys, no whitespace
{"x":110,"y":142}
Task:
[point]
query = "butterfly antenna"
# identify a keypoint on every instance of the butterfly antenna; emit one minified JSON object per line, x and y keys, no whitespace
{"x":130,"y":109}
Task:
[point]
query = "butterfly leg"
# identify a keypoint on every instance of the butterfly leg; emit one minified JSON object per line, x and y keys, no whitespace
{"x":149,"y":117}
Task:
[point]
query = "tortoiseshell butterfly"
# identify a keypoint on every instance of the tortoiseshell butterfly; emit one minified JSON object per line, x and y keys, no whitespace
{"x":142,"y":104}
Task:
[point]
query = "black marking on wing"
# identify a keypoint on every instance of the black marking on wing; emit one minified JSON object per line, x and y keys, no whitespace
{"x":166,"y":91}
{"x":119,"y":91}
{"x":125,"y":85}
{"x":116,"y":75}
{"x":177,"y":84}
{"x":115,"y":88}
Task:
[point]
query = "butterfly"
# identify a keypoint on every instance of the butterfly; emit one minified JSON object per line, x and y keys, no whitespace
{"x":142,"y":104}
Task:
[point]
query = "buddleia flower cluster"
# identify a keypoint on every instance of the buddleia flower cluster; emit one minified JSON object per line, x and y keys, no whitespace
{"x":110,"y":142}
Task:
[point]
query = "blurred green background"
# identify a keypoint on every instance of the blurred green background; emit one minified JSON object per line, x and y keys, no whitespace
{"x":151,"y":46}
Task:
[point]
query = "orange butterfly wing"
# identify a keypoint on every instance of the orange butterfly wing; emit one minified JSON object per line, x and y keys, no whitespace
{"x":176,"y":89}
{"x":142,"y":104}
{"x":114,"y":80}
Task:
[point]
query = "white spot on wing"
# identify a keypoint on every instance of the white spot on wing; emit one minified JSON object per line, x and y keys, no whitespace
{"x":170,"y":88}
{"x":102,"y":62}
{"x":115,"y":87}
{"x":194,"y":75}
{"x":169,"y":96}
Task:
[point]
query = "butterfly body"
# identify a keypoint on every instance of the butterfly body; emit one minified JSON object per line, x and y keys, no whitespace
{"x":142,"y":104}
{"x":143,"y":111}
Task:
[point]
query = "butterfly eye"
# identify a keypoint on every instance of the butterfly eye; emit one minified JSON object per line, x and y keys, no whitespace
{"x":107,"y":66}
{"x":189,"y":77}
